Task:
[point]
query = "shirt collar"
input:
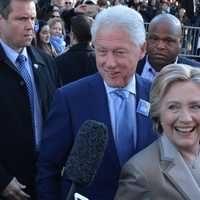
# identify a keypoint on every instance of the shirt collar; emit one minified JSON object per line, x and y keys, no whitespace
{"x":176,"y":61}
{"x":11,"y":53}
{"x":150,"y":68}
{"x":131,"y":87}
{"x":24,"y":52}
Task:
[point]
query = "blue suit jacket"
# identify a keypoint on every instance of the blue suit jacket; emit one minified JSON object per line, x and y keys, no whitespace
{"x":73,"y":104}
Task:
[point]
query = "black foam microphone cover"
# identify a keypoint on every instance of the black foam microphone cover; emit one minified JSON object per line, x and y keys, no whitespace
{"x":87,"y":153}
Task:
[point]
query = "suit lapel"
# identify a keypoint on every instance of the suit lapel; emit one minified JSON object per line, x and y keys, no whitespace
{"x":142,"y":94}
{"x":4,"y":58}
{"x":37,"y":62}
{"x":176,"y":170}
{"x":100,"y":111}
{"x":38,"y":68}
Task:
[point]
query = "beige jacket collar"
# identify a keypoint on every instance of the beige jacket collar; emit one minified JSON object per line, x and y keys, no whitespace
{"x":177,"y":171}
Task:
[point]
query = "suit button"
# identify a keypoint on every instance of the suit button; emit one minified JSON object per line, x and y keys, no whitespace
{"x":21,"y":83}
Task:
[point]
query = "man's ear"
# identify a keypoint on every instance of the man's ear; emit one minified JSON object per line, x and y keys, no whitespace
{"x":143,"y":50}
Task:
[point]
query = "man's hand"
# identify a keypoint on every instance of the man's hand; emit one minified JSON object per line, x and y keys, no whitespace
{"x":14,"y":191}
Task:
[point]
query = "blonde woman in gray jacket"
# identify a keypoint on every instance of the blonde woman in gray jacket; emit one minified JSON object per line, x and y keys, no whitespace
{"x":169,"y":169}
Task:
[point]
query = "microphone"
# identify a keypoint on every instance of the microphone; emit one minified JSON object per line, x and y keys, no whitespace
{"x":86,"y":154}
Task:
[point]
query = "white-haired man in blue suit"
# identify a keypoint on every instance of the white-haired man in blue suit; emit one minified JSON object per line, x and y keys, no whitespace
{"x":118,"y":35}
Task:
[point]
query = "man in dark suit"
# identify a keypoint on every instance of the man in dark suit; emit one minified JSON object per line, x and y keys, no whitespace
{"x":163,"y":46}
{"x":79,"y":60}
{"x":118,"y":35}
{"x":190,"y":6}
{"x":26,"y":92}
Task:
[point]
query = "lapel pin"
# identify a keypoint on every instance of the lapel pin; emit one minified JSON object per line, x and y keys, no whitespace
{"x":36,"y":66}
{"x":143,"y":107}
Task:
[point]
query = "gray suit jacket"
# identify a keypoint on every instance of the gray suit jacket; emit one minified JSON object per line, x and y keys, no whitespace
{"x":157,"y":173}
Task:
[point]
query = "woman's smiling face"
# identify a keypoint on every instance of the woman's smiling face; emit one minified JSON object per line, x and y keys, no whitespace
{"x":180,"y":115}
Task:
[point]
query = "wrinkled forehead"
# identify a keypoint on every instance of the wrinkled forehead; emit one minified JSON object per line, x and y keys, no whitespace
{"x":119,"y":32}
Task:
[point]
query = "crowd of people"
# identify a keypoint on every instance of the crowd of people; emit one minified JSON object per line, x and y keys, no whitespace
{"x":63,"y":63}
{"x":149,"y":9}
{"x":187,"y":12}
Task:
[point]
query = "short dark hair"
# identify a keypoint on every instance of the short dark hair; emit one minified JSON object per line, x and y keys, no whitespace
{"x":80,"y":26}
{"x":5,"y":7}
{"x":41,"y":24}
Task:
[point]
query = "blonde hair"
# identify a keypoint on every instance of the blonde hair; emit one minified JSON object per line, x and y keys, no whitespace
{"x":53,"y":21}
{"x":168,"y":76}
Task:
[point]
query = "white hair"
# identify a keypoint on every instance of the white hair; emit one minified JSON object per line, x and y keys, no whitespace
{"x":123,"y":17}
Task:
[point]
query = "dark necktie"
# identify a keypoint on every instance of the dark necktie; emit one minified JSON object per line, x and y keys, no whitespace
{"x":21,"y":66}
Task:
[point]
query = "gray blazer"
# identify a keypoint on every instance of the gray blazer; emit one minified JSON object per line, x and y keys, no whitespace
{"x":157,"y":173}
